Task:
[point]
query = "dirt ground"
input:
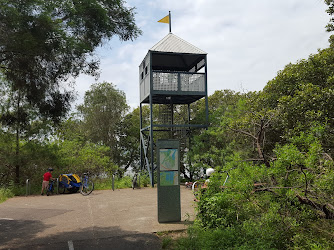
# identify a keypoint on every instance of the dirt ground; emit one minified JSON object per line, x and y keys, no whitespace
{"x":120,"y":219}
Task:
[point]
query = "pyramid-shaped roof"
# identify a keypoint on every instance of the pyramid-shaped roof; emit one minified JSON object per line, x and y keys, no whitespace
{"x":173,"y":43}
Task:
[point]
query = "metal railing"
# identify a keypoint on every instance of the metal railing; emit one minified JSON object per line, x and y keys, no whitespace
{"x":179,"y":81}
{"x":28,"y":187}
{"x":113,"y":183}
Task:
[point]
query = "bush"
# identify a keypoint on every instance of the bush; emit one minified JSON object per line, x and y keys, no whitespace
{"x":145,"y":181}
{"x":124,"y":182}
{"x":241,"y":215}
{"x":120,"y":183}
{"x":5,"y":193}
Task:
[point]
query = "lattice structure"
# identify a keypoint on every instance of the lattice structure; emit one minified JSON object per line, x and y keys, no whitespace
{"x":182,"y":134}
{"x":172,"y":74}
{"x":192,"y":82}
{"x":165,"y":114}
{"x":165,"y":81}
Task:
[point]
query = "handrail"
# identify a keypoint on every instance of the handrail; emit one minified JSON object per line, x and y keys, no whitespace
{"x":178,"y":82}
{"x":178,"y":72}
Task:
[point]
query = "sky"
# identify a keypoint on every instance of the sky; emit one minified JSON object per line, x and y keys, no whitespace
{"x":247,"y":41}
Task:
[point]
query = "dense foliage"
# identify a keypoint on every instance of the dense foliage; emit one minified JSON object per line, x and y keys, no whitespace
{"x":102,"y":113}
{"x":272,"y":150}
{"x":43,"y":44}
{"x":273,"y":157}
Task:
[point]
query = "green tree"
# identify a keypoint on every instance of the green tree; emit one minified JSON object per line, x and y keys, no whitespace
{"x":289,"y":205}
{"x":130,"y":141}
{"x":103,"y":110}
{"x":22,"y":123}
{"x":76,"y":153}
{"x":330,"y":11}
{"x":43,"y":43}
{"x":284,"y":201}
{"x":230,"y":119}
{"x":77,"y":156}
{"x":302,"y":94}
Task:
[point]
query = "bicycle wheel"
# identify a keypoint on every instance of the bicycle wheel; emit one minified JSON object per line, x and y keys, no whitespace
{"x":61,"y":188}
{"x":74,"y":189}
{"x":195,"y":186}
{"x":49,"y":190}
{"x":87,"y":187}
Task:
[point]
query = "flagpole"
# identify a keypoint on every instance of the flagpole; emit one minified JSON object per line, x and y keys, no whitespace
{"x":170,"y":23}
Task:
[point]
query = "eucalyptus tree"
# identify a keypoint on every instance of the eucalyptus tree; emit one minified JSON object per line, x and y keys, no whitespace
{"x":44,"y":43}
{"x":303,"y":96}
{"x":102,"y":112}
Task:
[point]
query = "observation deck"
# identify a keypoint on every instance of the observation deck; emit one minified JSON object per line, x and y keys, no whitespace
{"x":173,"y":72}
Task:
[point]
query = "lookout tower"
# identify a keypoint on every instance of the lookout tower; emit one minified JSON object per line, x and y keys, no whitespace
{"x":172,"y":74}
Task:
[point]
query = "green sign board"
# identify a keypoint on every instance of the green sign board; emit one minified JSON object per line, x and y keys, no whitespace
{"x":169,"y":159}
{"x":169,"y":205}
{"x":169,"y":178}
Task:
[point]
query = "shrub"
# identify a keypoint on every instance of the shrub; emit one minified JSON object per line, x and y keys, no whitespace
{"x":5,"y":193}
{"x":268,"y":215}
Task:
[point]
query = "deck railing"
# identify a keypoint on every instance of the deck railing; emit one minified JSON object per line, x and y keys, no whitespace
{"x":168,"y":81}
{"x":177,"y":82}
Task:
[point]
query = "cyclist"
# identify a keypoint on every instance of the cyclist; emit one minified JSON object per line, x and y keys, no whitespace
{"x":46,"y":178}
{"x":208,"y":172}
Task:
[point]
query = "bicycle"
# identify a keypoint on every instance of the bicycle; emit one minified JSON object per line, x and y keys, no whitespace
{"x":188,"y":184}
{"x":87,"y":185}
{"x":199,"y":187}
{"x":50,"y":188}
{"x":69,"y":182}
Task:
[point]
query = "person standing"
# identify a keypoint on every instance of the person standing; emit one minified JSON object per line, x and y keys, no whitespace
{"x":46,"y":179}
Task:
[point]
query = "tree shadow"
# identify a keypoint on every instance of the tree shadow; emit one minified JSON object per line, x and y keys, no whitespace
{"x":12,"y":230}
{"x":23,"y":234}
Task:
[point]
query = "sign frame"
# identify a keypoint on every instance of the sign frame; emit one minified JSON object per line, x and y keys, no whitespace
{"x":168,"y":166}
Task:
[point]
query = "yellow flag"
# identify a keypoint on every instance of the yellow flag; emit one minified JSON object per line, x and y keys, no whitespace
{"x":164,"y":20}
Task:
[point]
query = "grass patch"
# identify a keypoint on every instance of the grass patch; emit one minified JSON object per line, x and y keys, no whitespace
{"x":170,"y":239}
{"x":167,"y":243}
{"x":106,"y":183}
{"x":5,"y":193}
{"x":120,"y":183}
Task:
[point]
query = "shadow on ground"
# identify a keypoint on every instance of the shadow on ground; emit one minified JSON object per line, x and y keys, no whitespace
{"x":18,"y":230}
{"x":24,"y":235}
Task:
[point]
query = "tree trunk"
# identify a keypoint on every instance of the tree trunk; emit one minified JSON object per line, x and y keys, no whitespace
{"x":261,"y":155}
{"x":327,"y":209}
{"x":260,"y":139}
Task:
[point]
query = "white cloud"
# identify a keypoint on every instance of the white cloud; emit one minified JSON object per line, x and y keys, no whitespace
{"x":247,"y":41}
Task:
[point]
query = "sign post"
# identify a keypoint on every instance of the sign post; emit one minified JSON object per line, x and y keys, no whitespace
{"x":168,"y":160}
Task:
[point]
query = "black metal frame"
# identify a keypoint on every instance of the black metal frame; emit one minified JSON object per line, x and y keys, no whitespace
{"x":168,"y":97}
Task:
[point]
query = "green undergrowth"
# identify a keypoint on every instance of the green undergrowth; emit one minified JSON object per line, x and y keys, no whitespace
{"x":240,"y":218}
{"x":12,"y":189}
{"x":5,"y":193}
{"x":252,"y":235}
{"x":170,"y":239}
{"x":119,"y":183}
{"x":286,"y":205}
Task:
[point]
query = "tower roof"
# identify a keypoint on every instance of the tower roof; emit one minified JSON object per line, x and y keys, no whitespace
{"x":173,"y":43}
